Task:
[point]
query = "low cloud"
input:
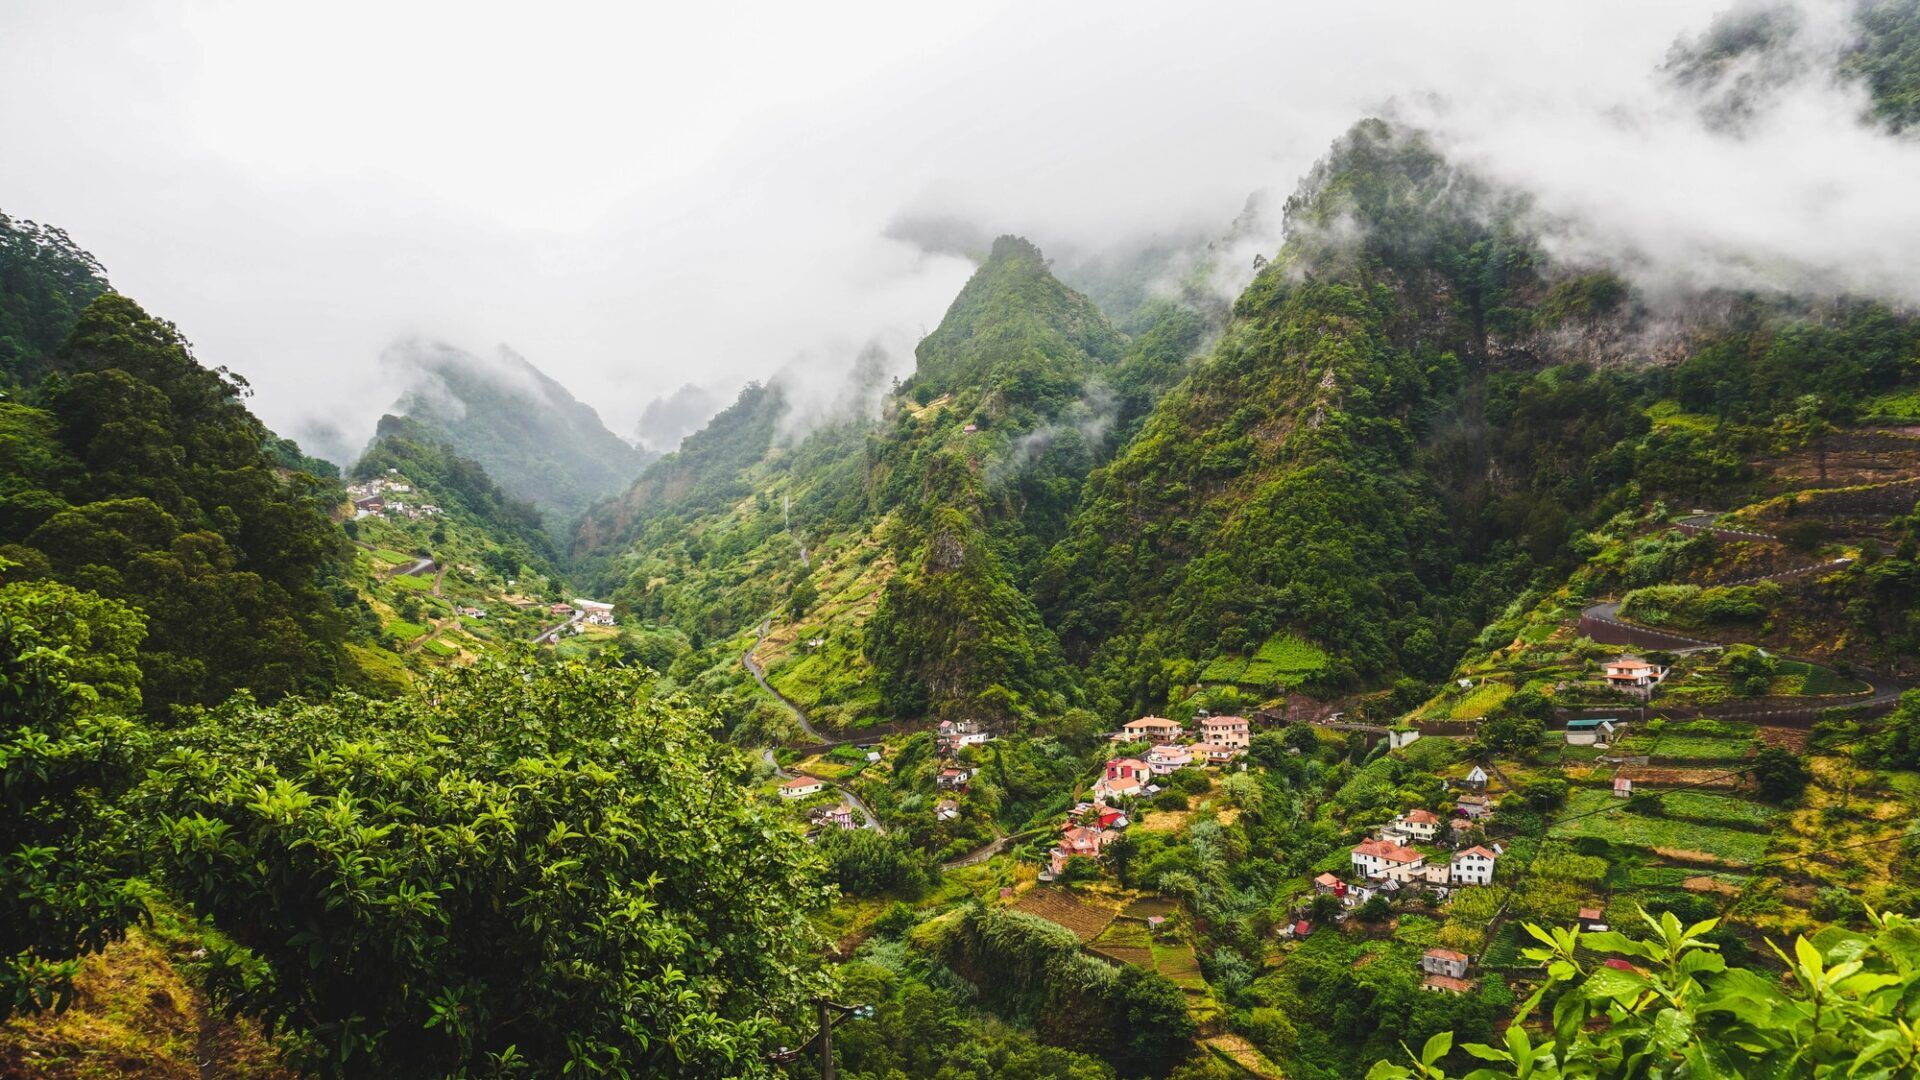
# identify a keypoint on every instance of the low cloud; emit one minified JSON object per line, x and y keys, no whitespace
{"x":773,"y":200}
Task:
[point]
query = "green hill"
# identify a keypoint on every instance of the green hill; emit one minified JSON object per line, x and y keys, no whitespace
{"x":540,"y":444}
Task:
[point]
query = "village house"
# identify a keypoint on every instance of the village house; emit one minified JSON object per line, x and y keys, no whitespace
{"x":1592,"y":918}
{"x":1154,"y":729}
{"x":955,"y":734}
{"x":946,"y":810}
{"x":802,"y":786}
{"x":1228,"y":732}
{"x":1473,"y":866}
{"x":597,"y":613}
{"x":473,"y":612}
{"x":1635,"y":677}
{"x":1077,"y":841}
{"x":954,"y":778}
{"x":1122,"y":777}
{"x":1475,"y":780}
{"x":836,"y":817}
{"x":1476,"y":807}
{"x":369,"y":506}
{"x":1330,"y":885}
{"x":1622,"y":787}
{"x":1413,"y":825}
{"x":1438,"y":961}
{"x":1168,"y":758}
{"x":558,"y":608}
{"x":1588,"y":732}
{"x":1383,"y":858}
{"x":1445,"y":984}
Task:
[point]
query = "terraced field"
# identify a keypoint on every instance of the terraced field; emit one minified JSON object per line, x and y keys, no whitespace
{"x":1086,"y":919}
{"x":1597,"y":815}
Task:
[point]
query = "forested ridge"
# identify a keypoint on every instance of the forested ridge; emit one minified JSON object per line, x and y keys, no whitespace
{"x":304,"y":780}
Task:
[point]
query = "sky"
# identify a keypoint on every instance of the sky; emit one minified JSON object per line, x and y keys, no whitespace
{"x":638,"y":197}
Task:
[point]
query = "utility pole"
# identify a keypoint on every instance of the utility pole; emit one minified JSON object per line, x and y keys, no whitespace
{"x":826,"y":1038}
{"x":831,"y":1014}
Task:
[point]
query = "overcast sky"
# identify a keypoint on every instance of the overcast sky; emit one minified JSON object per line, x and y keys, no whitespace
{"x":637,"y":196}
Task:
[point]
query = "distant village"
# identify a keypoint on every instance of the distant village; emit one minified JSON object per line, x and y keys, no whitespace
{"x":377,"y":497}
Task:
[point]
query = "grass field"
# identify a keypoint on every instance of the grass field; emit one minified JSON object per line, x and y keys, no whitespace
{"x":406,"y":631}
{"x":1715,"y":809}
{"x":1596,"y":814}
{"x":1177,"y":962}
{"x":414,"y":583}
{"x":1127,"y":941}
{"x":441,"y":648}
{"x":1484,"y":699}
{"x":1687,"y":747}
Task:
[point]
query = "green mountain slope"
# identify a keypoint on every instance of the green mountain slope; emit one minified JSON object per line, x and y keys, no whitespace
{"x":540,"y":444}
{"x":891,"y":555}
{"x":1410,"y":418}
{"x":139,"y":475}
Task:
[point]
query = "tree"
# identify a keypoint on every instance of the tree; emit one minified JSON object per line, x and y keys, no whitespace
{"x":1781,"y":774}
{"x":67,"y":755}
{"x":867,"y":863}
{"x":517,"y":869}
{"x":1677,"y":1008}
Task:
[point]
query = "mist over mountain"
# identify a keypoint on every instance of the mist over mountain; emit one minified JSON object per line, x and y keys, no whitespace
{"x":537,"y":441}
{"x":1159,"y":542}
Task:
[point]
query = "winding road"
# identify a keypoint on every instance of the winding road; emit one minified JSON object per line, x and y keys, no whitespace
{"x":760,"y":676}
{"x":1605,"y":618}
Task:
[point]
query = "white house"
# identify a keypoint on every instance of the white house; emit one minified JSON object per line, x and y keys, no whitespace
{"x":1415,"y":824}
{"x":1473,"y":866}
{"x":1438,"y":961}
{"x":1122,"y":777}
{"x":1632,"y":675}
{"x":1380,"y":858}
{"x":595,"y":611}
{"x":1168,"y":758}
{"x":1154,"y":729}
{"x":1588,"y":732}
{"x":1622,"y":787}
{"x":1476,"y":779}
{"x":802,"y":786}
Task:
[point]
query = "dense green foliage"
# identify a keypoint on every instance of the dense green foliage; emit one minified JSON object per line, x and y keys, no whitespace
{"x":46,"y":281}
{"x":409,"y":448}
{"x":143,"y":477}
{"x":540,"y":444}
{"x":1679,"y":1009}
{"x":68,"y":752}
{"x":512,"y":871}
{"x":1034,"y":970}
